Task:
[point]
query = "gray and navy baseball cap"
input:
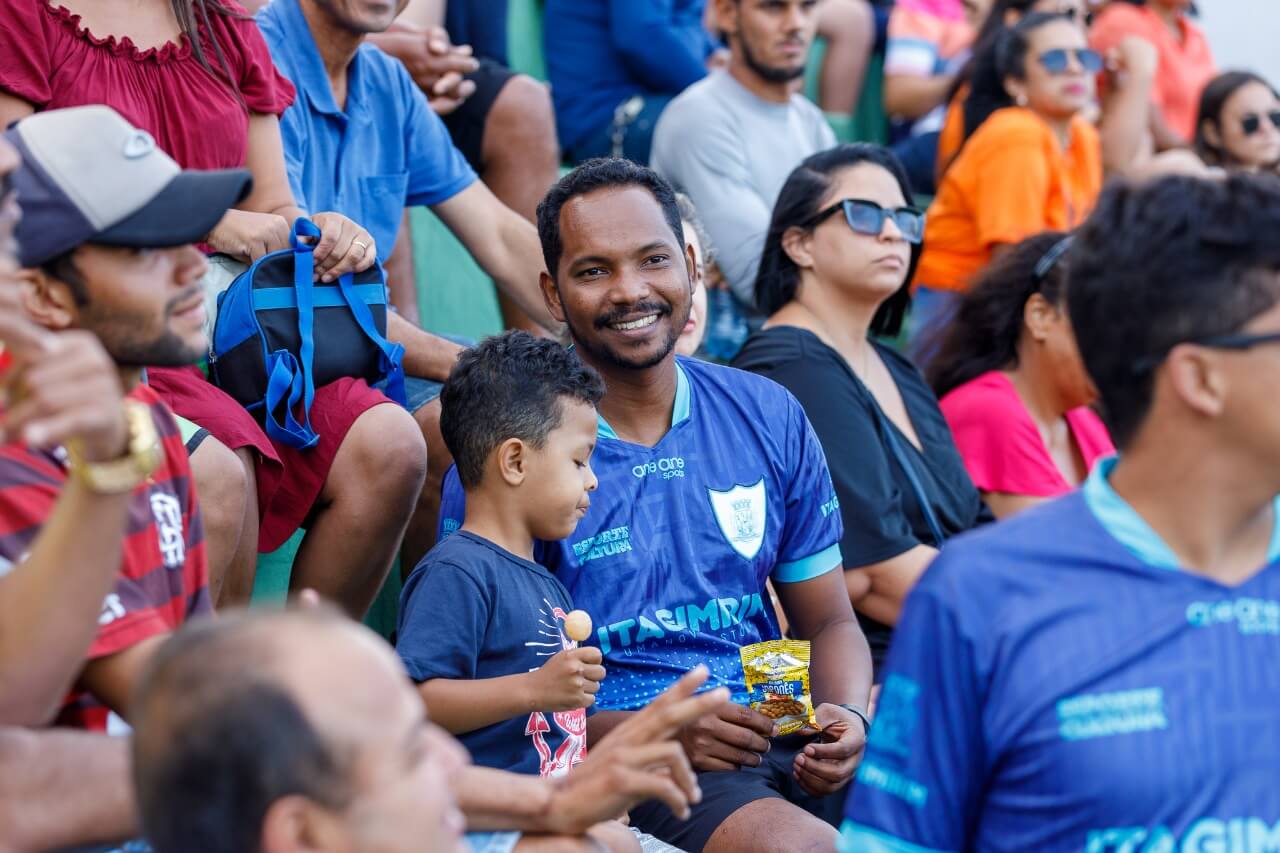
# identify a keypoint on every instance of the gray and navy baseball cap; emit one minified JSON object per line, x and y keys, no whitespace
{"x":88,"y":176}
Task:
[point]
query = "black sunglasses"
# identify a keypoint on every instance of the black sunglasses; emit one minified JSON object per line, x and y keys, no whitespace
{"x":1251,"y":123}
{"x":1239,"y":342}
{"x":867,"y":217}
{"x":1058,"y":60}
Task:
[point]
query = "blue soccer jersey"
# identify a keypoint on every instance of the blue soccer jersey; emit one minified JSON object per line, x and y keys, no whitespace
{"x":672,"y":557}
{"x":1058,"y":683}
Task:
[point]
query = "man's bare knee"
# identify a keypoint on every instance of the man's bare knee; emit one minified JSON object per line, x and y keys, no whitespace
{"x":522,"y":121}
{"x":383,"y":453}
{"x":772,"y":826}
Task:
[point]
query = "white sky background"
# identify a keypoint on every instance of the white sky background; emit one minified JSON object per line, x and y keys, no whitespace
{"x":1244,"y":34}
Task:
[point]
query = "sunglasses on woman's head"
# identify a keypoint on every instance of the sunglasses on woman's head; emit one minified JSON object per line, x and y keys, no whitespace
{"x":1058,"y":60}
{"x":867,"y":217}
{"x":1251,"y":123}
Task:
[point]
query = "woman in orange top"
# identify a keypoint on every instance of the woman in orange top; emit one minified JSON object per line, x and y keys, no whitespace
{"x":1032,"y":166}
{"x":1185,"y":64}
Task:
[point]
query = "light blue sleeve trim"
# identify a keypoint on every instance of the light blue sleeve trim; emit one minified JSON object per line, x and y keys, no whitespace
{"x":860,"y":839}
{"x":807,"y":568}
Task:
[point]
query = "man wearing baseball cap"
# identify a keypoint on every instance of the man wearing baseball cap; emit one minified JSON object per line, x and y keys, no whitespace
{"x":106,"y":246}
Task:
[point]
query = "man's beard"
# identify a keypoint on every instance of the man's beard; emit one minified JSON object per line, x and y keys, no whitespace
{"x":606,"y":355}
{"x":769,"y":73}
{"x":119,"y":336}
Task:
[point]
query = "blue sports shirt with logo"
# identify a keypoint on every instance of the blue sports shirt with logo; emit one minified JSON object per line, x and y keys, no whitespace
{"x":672,"y":557}
{"x":1058,"y":683}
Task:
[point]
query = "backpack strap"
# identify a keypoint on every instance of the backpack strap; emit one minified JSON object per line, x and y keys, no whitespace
{"x":285,"y":373}
{"x":391,"y":356}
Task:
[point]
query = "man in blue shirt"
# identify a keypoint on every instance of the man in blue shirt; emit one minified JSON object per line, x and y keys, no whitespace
{"x":712,"y":483}
{"x":614,"y":65}
{"x":1099,"y":674}
{"x":362,"y":140}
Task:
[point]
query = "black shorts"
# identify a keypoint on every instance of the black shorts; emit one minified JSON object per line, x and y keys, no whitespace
{"x":724,"y":792}
{"x":466,"y":123}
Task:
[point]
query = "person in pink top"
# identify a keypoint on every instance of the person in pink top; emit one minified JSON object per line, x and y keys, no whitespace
{"x":1011,"y":383}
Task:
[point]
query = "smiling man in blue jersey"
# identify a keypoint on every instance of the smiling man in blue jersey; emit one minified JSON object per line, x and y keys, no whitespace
{"x":1101,"y":674}
{"x":711,"y":484}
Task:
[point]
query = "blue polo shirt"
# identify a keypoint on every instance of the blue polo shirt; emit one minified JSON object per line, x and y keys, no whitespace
{"x":672,"y":558}
{"x":386,"y":151}
{"x":1057,"y":682}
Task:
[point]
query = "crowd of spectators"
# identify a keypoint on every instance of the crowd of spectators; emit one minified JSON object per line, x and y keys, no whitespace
{"x":980,"y":412}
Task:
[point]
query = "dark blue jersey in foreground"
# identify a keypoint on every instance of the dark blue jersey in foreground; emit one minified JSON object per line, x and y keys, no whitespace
{"x":1057,"y":683}
{"x":672,"y":558}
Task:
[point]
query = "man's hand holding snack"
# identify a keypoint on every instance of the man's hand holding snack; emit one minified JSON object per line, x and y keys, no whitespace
{"x":827,"y":764}
{"x":729,"y":737}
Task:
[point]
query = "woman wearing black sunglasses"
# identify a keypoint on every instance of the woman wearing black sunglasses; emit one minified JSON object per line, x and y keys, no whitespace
{"x":837,"y":261}
{"x":1031,"y":166}
{"x":1238,"y":125}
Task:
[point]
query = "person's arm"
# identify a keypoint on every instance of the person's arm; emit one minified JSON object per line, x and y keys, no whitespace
{"x":64,"y":788}
{"x":13,"y":108}
{"x":709,"y":160}
{"x":111,"y":678}
{"x":662,"y":56}
{"x":839,"y":673}
{"x":912,"y":96}
{"x":423,"y":13}
{"x":426,"y":355}
{"x":639,"y":761}
{"x":1126,"y":107}
{"x":504,"y":244}
{"x":60,"y":387}
{"x":1166,"y":138}
{"x":889,"y":581}
{"x":568,"y":681}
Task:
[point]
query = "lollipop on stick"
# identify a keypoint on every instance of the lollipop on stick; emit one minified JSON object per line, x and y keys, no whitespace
{"x":577,"y":625}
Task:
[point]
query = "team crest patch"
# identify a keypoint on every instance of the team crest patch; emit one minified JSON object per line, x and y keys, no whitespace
{"x":741,"y":513}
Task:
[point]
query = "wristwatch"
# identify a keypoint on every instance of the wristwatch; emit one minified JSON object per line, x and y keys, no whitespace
{"x":129,"y":471}
{"x":860,"y":714}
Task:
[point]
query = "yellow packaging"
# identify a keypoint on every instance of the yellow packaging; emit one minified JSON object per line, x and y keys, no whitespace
{"x":777,"y":677}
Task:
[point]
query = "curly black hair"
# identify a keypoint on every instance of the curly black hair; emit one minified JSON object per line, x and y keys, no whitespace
{"x":599,"y":174}
{"x":509,"y":386}
{"x":1163,"y":263}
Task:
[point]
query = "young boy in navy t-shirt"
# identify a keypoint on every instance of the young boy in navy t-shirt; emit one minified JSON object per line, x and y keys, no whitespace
{"x":481,"y":624}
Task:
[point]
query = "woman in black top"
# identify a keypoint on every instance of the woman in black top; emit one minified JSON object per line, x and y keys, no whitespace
{"x":835,"y":270}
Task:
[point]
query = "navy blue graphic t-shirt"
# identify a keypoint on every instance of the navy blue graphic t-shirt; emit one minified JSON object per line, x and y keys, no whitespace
{"x":472,"y":610}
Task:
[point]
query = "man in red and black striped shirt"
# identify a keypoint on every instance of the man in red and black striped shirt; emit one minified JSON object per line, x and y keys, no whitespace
{"x":107,"y":264}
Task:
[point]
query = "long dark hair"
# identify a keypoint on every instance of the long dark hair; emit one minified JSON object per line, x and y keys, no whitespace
{"x":797,"y":205}
{"x":1003,"y":56}
{"x":983,"y":334}
{"x":196,"y":15}
{"x":1214,"y":97}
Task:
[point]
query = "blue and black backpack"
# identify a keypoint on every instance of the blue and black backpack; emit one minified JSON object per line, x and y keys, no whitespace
{"x":280,"y":335}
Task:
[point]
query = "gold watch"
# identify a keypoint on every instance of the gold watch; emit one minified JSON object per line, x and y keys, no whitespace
{"x":128,"y":472}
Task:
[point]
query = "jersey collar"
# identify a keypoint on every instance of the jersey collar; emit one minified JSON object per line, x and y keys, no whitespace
{"x":1124,"y":524}
{"x":679,"y":413}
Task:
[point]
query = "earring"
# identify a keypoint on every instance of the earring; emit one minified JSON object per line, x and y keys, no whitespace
{"x":1021,"y":100}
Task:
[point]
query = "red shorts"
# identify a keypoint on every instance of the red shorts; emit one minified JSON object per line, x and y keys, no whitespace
{"x":289,"y":480}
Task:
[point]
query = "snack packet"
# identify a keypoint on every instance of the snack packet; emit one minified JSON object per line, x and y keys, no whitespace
{"x":777,"y":676}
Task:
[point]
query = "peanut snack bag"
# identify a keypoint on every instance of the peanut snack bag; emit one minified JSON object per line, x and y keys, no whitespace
{"x":777,"y":676}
